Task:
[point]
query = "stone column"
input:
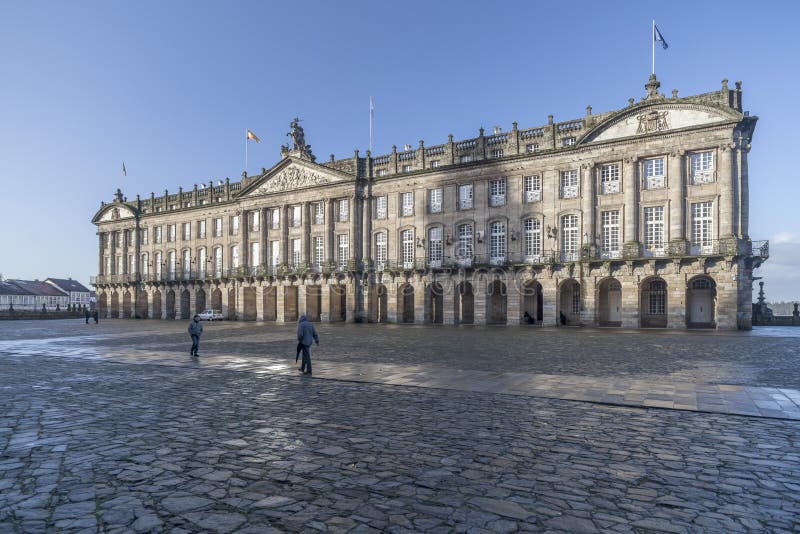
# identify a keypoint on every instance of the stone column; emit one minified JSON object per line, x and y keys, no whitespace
{"x":325,"y":303}
{"x":630,"y":298}
{"x":330,"y":236}
{"x":420,"y":296}
{"x":727,"y":193}
{"x":302,"y":300}
{"x":481,"y":298}
{"x":629,"y":185}
{"x":280,"y":303}
{"x":448,"y":301}
{"x":549,"y":298}
{"x":164,"y":290}
{"x":677,"y":206}
{"x":513,"y":297}
{"x":285,"y":252}
{"x":351,"y":312}
{"x":305,"y":243}
{"x":226,"y":312}
{"x":587,"y":236}
{"x":150,"y":304}
{"x":244,"y":226}
{"x":112,"y":251}
{"x":101,"y":236}
{"x":392,"y":302}
{"x":260,"y":301}
{"x":264,"y":236}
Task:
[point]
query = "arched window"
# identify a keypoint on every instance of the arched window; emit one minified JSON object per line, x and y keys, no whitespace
{"x":407,"y":248}
{"x":235,"y":257}
{"x":701,"y":283}
{"x":159,"y":263}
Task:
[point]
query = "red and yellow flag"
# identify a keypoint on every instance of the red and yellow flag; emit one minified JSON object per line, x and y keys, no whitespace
{"x":254,"y":137}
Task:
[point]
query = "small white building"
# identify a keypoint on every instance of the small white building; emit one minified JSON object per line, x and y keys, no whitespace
{"x":35,"y":295}
{"x":78,"y":293}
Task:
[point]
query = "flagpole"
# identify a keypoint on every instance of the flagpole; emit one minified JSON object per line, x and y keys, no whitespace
{"x":370,"y":124}
{"x":245,"y":150}
{"x":653,"y":46}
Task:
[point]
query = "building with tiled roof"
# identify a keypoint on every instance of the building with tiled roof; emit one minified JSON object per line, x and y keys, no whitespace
{"x":79,"y":295}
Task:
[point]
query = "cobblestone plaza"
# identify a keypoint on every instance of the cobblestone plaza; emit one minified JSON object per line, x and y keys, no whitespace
{"x":113,"y":428}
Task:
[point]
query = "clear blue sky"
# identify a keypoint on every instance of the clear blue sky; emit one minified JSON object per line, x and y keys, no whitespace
{"x":169,"y":87}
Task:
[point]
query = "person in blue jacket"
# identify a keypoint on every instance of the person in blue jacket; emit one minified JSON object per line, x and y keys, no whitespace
{"x":305,"y":335}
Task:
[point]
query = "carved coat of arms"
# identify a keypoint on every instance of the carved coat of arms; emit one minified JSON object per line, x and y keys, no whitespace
{"x":653,"y":121}
{"x":292,"y":178}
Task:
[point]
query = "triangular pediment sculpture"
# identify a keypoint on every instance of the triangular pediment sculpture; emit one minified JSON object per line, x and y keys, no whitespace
{"x":293,"y":176}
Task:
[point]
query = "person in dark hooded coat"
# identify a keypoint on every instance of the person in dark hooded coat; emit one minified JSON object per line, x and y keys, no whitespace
{"x":305,"y":335}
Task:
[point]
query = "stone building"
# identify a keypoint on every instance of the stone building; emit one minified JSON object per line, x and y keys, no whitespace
{"x":636,"y":218}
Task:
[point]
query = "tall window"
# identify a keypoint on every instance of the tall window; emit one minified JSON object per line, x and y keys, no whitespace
{"x":131,"y":263}
{"x":297,"y":217}
{"x":406,"y":204}
{"x":654,"y":173}
{"x":145,"y":270}
{"x":275,"y":218}
{"x":319,"y":213}
{"x":381,"y":249}
{"x":218,"y":227}
{"x":343,"y":250}
{"x":609,"y":234}
{"x":144,"y":236}
{"x":218,"y":261}
{"x":380,"y":207}
{"x":235,"y":225}
{"x":567,"y":141}
{"x":657,"y":301}
{"x":497,"y":243}
{"x":464,"y":245}
{"x":275,"y":253}
{"x":253,"y":220}
{"x":569,"y":237}
{"x":702,"y":167}
{"x":186,"y":264}
{"x":533,"y":239}
{"x":465,"y":197}
{"x":406,"y":168}
{"x":158,"y":264}
{"x":344,"y":210}
{"x":319,"y":252}
{"x":435,"y":200}
{"x":255,"y":254}
{"x":201,"y":229}
{"x":157,"y":234}
{"x":170,"y":233}
{"x":235,"y":257}
{"x":187,"y":231}
{"x":702,"y":228}
{"x":172,"y":261}
{"x":531,"y":188}
{"x":654,"y":230}
{"x":407,"y":248}
{"x":609,"y":179}
{"x":201,"y":262}
{"x":435,"y":248}
{"x":497,"y":192}
{"x":295,"y":252}
{"x":569,"y":184}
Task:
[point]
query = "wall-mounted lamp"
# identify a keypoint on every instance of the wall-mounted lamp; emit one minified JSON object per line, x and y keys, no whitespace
{"x":420,"y":242}
{"x":479,"y":236}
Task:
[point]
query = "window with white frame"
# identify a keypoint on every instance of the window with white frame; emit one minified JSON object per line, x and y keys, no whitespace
{"x":275,"y":218}
{"x":531,"y":188}
{"x":531,"y":147}
{"x":344,"y":210}
{"x":157,"y":234}
{"x":406,"y":204}
{"x":465,"y":197}
{"x":567,"y":141}
{"x":498,"y":153}
{"x":186,"y":264}
{"x":654,"y":173}
{"x":158,"y":263}
{"x":235,"y":256}
{"x":319,"y":213}
{"x":657,"y":298}
{"x":343,"y":250}
{"x":297,"y":216}
{"x":576,"y":298}
{"x":218,"y":227}
{"x":201,"y":229}
{"x":435,"y":247}
{"x":120,"y":263}
{"x":435,"y":200}
{"x":407,"y":248}
{"x":170,"y":233}
{"x":172,"y":261}
{"x":654,"y":230}
{"x":255,"y":254}
{"x":609,"y":234}
{"x":295,"y":252}
{"x":217,"y":261}
{"x":234,"y":225}
{"x":435,"y":163}
{"x":466,"y":158}
{"x":533,"y":239}
{"x":381,"y":207}
{"x":145,"y":269}
{"x":131,"y":263}
{"x":255,"y":220}
{"x":702,"y":227}
{"x":497,"y":192}
{"x":120,"y":238}
{"x":569,"y":184}
{"x":381,"y":249}
{"x":464,"y":243}
{"x":497,"y":242}
{"x":702,"y":167}
{"x":144,"y":236}
{"x":406,"y":168}
{"x":609,"y":179}
{"x":569,"y":238}
{"x":381,"y":172}
{"x":201,"y":262}
{"x":187,"y":231}
{"x":275,"y":253}
{"x":319,"y":252}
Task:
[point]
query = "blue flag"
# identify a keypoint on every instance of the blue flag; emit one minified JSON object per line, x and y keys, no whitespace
{"x":658,"y":37}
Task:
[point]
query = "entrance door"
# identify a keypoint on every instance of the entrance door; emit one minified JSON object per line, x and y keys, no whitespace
{"x":614,"y":305}
{"x":701,"y":307}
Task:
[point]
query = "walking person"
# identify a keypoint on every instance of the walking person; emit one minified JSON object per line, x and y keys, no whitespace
{"x":86,"y":314}
{"x":96,"y":317}
{"x":305,"y":335}
{"x":195,"y":330}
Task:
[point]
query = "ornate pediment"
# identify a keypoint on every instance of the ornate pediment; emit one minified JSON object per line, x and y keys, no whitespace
{"x":292,"y":177}
{"x":115,"y":213}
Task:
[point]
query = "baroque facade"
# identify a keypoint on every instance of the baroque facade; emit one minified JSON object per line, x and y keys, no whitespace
{"x":636,"y":218}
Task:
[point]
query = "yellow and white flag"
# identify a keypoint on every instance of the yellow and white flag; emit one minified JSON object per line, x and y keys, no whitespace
{"x":254,"y":137}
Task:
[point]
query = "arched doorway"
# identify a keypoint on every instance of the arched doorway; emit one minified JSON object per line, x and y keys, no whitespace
{"x":270,"y":303}
{"x":609,"y":303}
{"x":249,"y":303}
{"x":532,"y":301}
{"x":338,"y":303}
{"x":496,"y":300}
{"x":141,"y":304}
{"x":380,"y":300}
{"x":232,"y":304}
{"x":313,"y":302}
{"x":156,"y":304}
{"x":102,"y":305}
{"x":113,"y":312}
{"x":126,"y":305}
{"x":653,"y":303}
{"x":569,"y":302}
{"x":701,"y":299}
{"x":435,"y":302}
{"x":216,"y":300}
{"x":290,"y":313}
{"x":170,"y":304}
{"x":186,"y":299}
{"x":465,"y":303}
{"x":405,"y":303}
{"x":200,"y":301}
